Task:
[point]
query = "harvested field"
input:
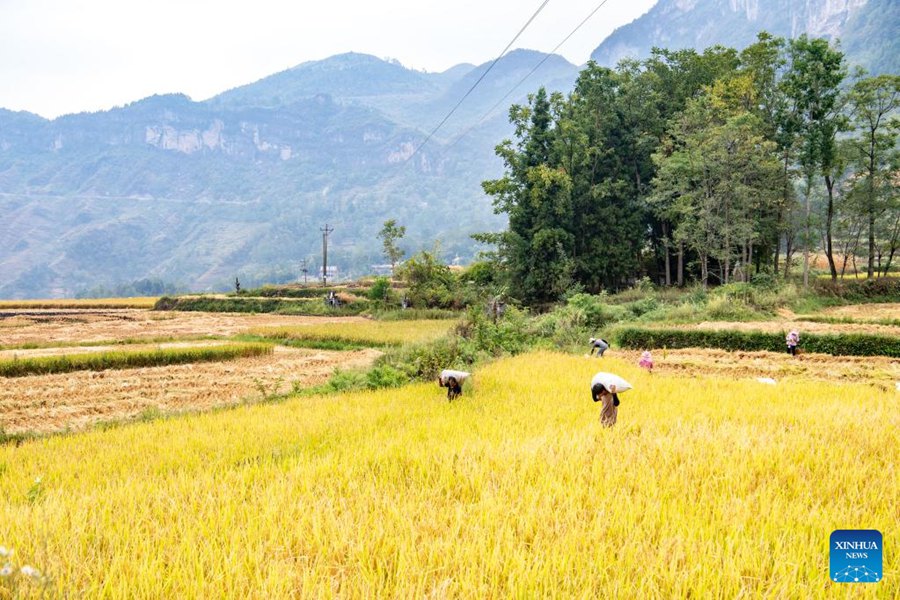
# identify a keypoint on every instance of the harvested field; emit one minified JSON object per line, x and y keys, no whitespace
{"x":36,"y":326}
{"x":879,"y":371}
{"x":49,"y":403}
{"x":887,"y":310}
{"x":786,"y":325}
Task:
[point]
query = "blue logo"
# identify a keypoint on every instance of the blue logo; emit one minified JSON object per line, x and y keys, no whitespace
{"x":856,"y":556}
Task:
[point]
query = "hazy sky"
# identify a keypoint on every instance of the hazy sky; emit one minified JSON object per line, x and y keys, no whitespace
{"x":63,"y":56}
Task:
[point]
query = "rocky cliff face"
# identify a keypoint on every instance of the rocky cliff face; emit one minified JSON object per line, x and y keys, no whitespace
{"x":867,"y":26}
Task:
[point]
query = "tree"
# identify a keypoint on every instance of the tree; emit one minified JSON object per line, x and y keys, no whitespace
{"x":874,"y":102}
{"x":389,"y":235}
{"x":813,"y":82}
{"x":535,"y":192}
{"x":719,"y":174}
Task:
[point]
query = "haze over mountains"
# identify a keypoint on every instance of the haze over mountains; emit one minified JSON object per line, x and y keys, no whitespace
{"x":199,"y":192}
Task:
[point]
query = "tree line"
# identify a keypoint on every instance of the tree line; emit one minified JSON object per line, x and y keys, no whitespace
{"x":708,"y":166}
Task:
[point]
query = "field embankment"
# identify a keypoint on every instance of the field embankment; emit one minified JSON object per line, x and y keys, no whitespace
{"x":707,"y":487}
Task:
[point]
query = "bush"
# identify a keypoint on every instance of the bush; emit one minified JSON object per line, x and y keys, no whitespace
{"x":857,"y":344}
{"x":863,"y":290}
{"x":594,"y":311}
{"x":380,"y":290}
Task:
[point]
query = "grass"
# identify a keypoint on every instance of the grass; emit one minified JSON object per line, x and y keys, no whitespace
{"x":369,"y":333}
{"x":127,"y":359}
{"x":705,"y":488}
{"x":139,"y":302}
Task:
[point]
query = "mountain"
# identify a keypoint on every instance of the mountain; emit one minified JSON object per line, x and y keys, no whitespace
{"x":867,"y":28}
{"x":196,"y":193}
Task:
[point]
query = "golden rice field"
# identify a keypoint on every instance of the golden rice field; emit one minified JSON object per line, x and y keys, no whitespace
{"x":376,"y":333}
{"x":706,"y":488}
{"x":136,"y":302}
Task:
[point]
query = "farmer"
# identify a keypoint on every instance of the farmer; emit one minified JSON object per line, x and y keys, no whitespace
{"x":452,"y":380}
{"x":792,"y":339}
{"x":600,"y":345}
{"x":610,"y":407}
{"x":646,"y":361}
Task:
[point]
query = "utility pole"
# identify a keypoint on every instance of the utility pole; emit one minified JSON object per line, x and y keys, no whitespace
{"x":325,"y":231}
{"x":304,"y":269}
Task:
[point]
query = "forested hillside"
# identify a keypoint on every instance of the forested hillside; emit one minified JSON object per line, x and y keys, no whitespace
{"x":712,"y":166}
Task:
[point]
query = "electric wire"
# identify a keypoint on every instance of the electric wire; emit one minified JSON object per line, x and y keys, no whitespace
{"x":479,"y":80}
{"x":547,"y":56}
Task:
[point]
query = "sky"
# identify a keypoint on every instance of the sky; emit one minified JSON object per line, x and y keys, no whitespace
{"x":66,"y":56}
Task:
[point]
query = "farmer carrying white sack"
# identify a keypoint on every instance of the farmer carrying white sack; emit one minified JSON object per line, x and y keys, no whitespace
{"x":605,"y":388}
{"x":452,"y":380}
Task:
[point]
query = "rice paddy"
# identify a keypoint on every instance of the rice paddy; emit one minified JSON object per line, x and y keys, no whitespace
{"x":368,"y":333}
{"x":707,"y":487}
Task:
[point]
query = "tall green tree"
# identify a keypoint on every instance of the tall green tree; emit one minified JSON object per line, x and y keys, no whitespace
{"x":720,"y":171}
{"x":813,"y":82}
{"x":390,"y":234}
{"x":875,"y":102}
{"x":535,"y":193}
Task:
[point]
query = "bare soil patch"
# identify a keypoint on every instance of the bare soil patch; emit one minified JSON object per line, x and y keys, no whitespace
{"x":35,"y":326}
{"x":50,"y":403}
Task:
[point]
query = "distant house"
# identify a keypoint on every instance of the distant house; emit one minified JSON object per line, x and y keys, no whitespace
{"x":332,"y":272}
{"x":380,"y":269}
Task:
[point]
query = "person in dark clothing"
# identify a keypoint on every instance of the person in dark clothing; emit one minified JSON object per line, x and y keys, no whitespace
{"x":452,"y":380}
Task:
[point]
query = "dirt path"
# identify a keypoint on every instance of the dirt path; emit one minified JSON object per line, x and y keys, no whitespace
{"x":48,"y":403}
{"x":32,"y":326}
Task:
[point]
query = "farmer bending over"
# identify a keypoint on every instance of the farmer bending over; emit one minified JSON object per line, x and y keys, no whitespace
{"x":600,"y":345}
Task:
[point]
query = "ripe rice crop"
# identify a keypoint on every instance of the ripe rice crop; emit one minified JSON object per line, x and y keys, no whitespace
{"x":126,"y":359}
{"x":365,"y":333}
{"x":137,"y":302}
{"x":706,"y":488}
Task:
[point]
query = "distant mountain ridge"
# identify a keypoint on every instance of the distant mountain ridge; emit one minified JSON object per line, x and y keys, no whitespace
{"x":198,"y":192}
{"x":867,"y":28}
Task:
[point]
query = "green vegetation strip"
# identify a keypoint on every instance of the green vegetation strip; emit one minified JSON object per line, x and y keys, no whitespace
{"x":851,"y":344}
{"x":258,"y":305}
{"x":98,"y":361}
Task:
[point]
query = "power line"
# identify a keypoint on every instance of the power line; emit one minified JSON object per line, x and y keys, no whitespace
{"x":483,"y":75}
{"x":529,"y":74}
